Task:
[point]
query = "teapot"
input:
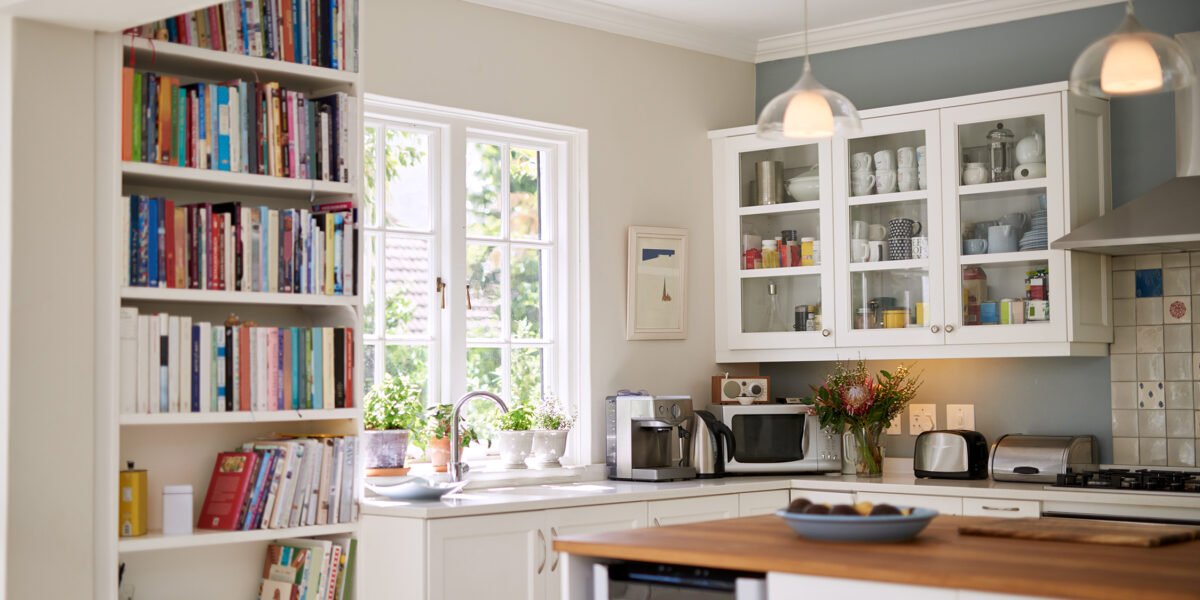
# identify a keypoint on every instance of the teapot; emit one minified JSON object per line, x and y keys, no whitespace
{"x":1031,"y":149}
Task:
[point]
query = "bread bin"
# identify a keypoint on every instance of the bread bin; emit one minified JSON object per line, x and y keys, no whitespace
{"x":1040,"y":458}
{"x":951,"y":454}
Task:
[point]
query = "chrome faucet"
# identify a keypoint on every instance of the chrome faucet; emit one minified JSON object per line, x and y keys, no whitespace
{"x":457,"y":467}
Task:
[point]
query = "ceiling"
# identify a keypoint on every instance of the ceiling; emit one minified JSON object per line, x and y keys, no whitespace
{"x":763,"y":30}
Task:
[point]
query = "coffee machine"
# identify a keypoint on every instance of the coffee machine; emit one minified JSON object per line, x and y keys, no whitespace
{"x":649,"y":438}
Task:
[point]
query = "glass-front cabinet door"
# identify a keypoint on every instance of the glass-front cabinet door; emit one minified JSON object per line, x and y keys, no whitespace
{"x":887,"y":238}
{"x":1002,"y":172}
{"x":780,"y":199}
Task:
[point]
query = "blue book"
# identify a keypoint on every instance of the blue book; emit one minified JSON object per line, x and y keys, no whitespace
{"x":219,"y":367}
{"x":195,"y":400}
{"x":295,"y":399}
{"x":264,"y":463}
{"x":245,"y":127}
{"x":134,"y":233}
{"x":152,"y":245}
{"x":338,"y":222}
{"x":223,"y":128}
{"x":201,"y":121}
{"x":318,"y":384}
{"x":332,"y":20}
{"x":181,"y":135}
{"x":213,"y":127}
{"x":245,"y":31}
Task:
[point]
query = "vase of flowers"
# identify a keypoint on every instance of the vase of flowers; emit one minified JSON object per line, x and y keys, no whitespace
{"x":863,"y":405}
{"x":551,"y":425}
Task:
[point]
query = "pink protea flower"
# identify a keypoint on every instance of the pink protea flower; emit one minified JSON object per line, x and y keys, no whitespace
{"x":859,"y":396}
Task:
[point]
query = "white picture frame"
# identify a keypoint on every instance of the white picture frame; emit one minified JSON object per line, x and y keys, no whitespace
{"x":656,"y":286}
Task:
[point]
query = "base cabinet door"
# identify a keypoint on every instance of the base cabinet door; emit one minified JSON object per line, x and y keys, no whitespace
{"x":585,"y":519}
{"x":500,"y":557}
{"x":946,"y":505}
{"x":692,"y":510}
{"x":762,"y":503}
{"x":790,"y":585}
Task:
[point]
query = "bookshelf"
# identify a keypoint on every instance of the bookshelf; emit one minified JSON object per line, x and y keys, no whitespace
{"x":179,"y":448}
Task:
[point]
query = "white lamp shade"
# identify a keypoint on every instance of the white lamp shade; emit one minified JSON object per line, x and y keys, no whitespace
{"x":1131,"y":61}
{"x":808,"y":110}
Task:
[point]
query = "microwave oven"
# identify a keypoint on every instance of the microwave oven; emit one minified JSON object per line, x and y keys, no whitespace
{"x":778,"y":438}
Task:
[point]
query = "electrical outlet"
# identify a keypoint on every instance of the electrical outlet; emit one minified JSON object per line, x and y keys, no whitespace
{"x":921,"y":417}
{"x":960,"y":416}
{"x":897,"y":427}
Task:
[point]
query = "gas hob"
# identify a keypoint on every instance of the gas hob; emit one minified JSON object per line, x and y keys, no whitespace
{"x":1143,"y":480}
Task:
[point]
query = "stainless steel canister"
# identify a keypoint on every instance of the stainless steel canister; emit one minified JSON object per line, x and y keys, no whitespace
{"x":769,"y":174}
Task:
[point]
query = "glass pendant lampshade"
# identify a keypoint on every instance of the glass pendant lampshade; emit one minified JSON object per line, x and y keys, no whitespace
{"x":1131,"y":61}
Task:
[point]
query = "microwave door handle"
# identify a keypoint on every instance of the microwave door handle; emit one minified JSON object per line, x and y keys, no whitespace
{"x":806,"y":441}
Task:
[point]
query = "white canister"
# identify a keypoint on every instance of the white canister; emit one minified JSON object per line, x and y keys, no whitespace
{"x":177,"y":510}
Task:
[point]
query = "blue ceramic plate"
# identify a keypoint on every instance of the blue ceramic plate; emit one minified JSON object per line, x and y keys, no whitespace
{"x":850,"y":528}
{"x":413,"y":488}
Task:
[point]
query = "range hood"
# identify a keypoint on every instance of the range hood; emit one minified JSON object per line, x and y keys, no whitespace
{"x":1167,"y":218}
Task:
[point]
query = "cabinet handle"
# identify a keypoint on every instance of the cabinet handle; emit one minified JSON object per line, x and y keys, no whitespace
{"x":656,"y":523}
{"x":542,"y":539}
{"x":949,"y":328}
{"x":935,"y":329}
{"x":1001,"y":508}
{"x":554,"y":565}
{"x":825,"y":332}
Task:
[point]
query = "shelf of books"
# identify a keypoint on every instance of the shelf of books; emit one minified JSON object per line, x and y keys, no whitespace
{"x":230,"y":357}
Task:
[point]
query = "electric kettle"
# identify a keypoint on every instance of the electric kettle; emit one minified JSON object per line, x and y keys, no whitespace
{"x":709,"y":455}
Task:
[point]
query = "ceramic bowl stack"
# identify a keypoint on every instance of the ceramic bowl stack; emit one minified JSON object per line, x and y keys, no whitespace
{"x":1035,"y":238}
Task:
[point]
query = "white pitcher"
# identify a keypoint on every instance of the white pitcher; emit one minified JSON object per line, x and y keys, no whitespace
{"x":1031,"y":149}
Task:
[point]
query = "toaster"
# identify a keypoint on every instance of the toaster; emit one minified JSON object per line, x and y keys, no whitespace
{"x":951,"y":454}
{"x":1041,"y":458}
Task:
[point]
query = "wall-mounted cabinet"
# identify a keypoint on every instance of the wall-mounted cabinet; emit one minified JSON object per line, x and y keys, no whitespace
{"x":933,"y":225}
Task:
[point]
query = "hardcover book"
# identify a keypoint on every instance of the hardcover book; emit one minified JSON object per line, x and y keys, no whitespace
{"x":227,"y":487}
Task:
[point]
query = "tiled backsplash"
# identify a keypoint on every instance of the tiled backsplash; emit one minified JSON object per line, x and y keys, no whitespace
{"x":1156,"y":359}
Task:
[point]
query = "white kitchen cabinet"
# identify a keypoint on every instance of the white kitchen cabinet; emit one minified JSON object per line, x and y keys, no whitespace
{"x":824,"y":497}
{"x":762,"y":503}
{"x":692,"y":510}
{"x":989,"y":507}
{"x":501,"y":557}
{"x":946,"y":505}
{"x":792,"y":585}
{"x":585,"y":519}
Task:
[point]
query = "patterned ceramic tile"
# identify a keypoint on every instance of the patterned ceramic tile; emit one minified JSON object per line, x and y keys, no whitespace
{"x":1196,"y":337}
{"x":1196,"y":366}
{"x":1123,"y":286}
{"x":1177,"y":309}
{"x":1151,"y":394}
{"x":1124,"y":394}
{"x":1178,"y":366}
{"x":1151,"y":367}
{"x":1149,"y":283}
{"x":1177,"y":338}
{"x":1125,"y":422}
{"x":1179,"y":394}
{"x":1195,"y":277}
{"x":1147,"y":261}
{"x":1125,"y":340}
{"x":1149,"y":338}
{"x":1180,"y":424}
{"x":1123,"y":367}
{"x":1195,"y":258}
{"x":1177,"y":282}
{"x":1175,"y":259}
{"x":1124,"y":312}
{"x":1152,"y":451}
{"x":1125,"y":451}
{"x":1149,"y":311}
{"x":1181,"y":452}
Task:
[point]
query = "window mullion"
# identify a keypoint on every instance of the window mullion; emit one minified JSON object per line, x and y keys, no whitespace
{"x":453,"y":264}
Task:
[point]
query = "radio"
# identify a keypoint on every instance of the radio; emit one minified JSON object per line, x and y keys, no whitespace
{"x":741,"y":390}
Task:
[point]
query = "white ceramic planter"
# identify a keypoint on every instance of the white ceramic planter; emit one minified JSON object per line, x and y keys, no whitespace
{"x":548,"y":447}
{"x":514,"y":447}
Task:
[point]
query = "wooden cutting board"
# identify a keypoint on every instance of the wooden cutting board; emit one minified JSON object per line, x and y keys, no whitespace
{"x":1089,"y":532}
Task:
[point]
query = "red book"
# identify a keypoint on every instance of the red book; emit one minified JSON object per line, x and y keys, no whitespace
{"x":169,"y":224}
{"x":244,"y":367}
{"x":289,"y":52}
{"x":231,"y":478}
{"x":126,"y":113}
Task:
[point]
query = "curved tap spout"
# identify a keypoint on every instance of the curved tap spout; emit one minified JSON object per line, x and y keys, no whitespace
{"x":457,"y":467}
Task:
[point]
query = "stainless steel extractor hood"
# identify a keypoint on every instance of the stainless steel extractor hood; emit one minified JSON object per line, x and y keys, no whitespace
{"x":1167,"y":218}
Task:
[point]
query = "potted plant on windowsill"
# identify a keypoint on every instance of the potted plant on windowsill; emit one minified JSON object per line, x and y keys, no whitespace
{"x":436,"y":435}
{"x":550,"y":428}
{"x":514,"y":440}
{"x":392,"y":410}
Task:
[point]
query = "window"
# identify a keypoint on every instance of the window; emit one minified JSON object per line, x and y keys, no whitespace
{"x":476,"y":257}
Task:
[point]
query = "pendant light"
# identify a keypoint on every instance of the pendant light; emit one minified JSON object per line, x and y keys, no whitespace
{"x":808,"y":110}
{"x":1131,"y":61}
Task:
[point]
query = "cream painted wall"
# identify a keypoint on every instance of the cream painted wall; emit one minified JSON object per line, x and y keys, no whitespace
{"x":50,"y":482}
{"x":647,"y":108}
{"x":6,"y":96}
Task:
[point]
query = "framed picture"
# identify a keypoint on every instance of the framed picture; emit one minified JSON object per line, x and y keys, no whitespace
{"x":656,"y":292}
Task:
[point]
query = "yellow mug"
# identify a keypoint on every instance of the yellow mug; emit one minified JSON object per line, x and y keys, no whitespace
{"x":895,"y":318}
{"x":922,"y":313}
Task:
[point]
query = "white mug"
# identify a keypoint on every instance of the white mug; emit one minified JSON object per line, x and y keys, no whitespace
{"x":876,"y":232}
{"x":907,"y":179}
{"x":862,"y":183}
{"x":921,"y":154}
{"x":920,"y":247}
{"x":885,"y":181}
{"x":858,"y":250}
{"x":874,"y":251}
{"x":858,"y":230}
{"x":860,"y":161}
{"x":906,"y":157}
{"x":884,"y":160}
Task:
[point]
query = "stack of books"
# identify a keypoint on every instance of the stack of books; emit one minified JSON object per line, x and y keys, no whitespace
{"x":309,"y":569}
{"x":238,"y":126}
{"x":229,"y":246}
{"x":321,"y":33}
{"x":282,"y":483}
{"x":172,"y":364}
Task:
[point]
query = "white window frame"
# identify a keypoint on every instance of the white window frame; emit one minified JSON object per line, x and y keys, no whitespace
{"x":567,"y":322}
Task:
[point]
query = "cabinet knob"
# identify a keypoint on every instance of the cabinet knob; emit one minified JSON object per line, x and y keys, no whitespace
{"x":935,"y":329}
{"x":949,"y":328}
{"x":825,"y":332}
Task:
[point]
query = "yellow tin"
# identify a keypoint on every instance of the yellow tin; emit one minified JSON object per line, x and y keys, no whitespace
{"x":132,"y":504}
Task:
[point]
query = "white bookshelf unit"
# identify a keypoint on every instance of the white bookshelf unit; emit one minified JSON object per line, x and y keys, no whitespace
{"x":180,"y":448}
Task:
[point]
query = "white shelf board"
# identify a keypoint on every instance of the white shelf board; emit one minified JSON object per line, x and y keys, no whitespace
{"x":889,"y":265}
{"x":175,"y":58}
{"x":1002,"y":186}
{"x":228,"y":297}
{"x":155,"y":540}
{"x":239,"y":416}
{"x":780,"y":272}
{"x":1005,"y":257}
{"x":889,"y":198}
{"x":227,"y":181}
{"x":784,"y":208}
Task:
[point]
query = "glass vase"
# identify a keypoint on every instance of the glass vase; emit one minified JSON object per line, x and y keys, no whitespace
{"x":862,"y":443}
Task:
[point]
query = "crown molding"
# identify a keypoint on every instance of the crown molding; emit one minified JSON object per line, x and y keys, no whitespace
{"x":915,"y":23}
{"x":621,"y":21}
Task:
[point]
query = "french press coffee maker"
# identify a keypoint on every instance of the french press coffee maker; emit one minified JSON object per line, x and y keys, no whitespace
{"x":1001,"y":153}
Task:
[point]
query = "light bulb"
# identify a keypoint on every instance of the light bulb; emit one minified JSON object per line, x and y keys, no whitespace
{"x":808,"y":115}
{"x":1130,"y":67}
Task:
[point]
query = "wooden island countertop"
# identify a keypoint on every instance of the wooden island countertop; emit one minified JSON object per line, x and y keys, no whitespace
{"x":938,"y":557}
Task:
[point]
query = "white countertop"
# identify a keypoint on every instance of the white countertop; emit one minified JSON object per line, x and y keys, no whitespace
{"x":584,"y":493}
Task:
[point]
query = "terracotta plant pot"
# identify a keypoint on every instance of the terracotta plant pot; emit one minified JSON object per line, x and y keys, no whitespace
{"x":384,"y":452}
{"x":439,"y":454}
{"x":514,"y":447}
{"x":548,"y":447}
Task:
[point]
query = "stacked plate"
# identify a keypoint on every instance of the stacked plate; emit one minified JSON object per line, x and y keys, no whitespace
{"x":1035,"y":238}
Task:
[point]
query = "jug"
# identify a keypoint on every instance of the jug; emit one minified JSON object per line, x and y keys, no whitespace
{"x":1017,"y":220}
{"x":1031,"y":149}
{"x":1002,"y":238}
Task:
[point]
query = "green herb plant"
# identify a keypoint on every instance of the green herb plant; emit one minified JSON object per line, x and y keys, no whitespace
{"x":393,"y":403}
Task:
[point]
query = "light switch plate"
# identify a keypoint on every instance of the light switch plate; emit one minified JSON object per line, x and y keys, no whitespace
{"x":897,"y":427}
{"x":921,"y":417}
{"x":960,"y":416}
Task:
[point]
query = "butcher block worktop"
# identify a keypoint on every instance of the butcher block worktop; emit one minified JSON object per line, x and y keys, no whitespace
{"x":938,"y":557}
